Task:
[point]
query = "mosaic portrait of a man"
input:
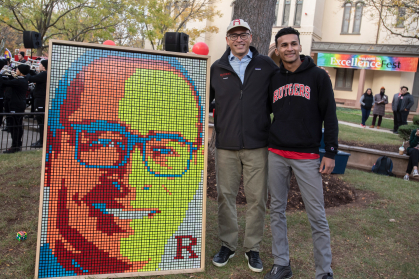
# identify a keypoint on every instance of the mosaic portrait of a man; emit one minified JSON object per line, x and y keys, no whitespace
{"x":123,"y":183}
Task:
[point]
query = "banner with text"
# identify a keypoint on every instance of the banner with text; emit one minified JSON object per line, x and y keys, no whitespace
{"x":368,"y":62}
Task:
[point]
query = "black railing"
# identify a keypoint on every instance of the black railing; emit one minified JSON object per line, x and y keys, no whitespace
{"x":20,"y":131}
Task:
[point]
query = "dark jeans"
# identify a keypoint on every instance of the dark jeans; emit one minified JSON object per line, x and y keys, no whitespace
{"x":365,"y":115}
{"x":413,"y":159}
{"x":403,"y":117}
{"x":380,"y":118}
{"x":7,"y":110}
{"x":39,"y":105}
{"x":1,"y":111}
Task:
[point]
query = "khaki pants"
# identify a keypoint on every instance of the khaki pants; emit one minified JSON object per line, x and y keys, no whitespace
{"x":229,"y":165}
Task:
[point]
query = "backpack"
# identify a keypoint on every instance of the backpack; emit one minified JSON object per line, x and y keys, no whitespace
{"x":383,"y":166}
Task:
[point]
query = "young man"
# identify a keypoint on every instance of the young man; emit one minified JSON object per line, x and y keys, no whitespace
{"x":302,"y":100}
{"x":21,"y":57}
{"x":16,"y":103}
{"x":239,"y":84}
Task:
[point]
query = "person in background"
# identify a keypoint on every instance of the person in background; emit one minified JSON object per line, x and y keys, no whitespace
{"x":413,"y":153}
{"x":366,"y":101}
{"x":17,"y":104}
{"x":395,"y":107}
{"x":404,"y":104}
{"x":380,"y":101}
{"x":21,"y":57}
{"x":39,"y":96}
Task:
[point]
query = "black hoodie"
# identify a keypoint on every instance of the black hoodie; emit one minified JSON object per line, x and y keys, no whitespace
{"x":301,"y":102}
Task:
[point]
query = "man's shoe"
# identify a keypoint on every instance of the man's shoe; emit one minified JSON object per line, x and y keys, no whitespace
{"x":406,"y":177}
{"x":328,"y":276}
{"x":378,"y":127}
{"x":372,"y":126}
{"x":37,"y":144}
{"x":279,"y":272}
{"x":10,"y":151}
{"x":253,"y":261}
{"x":415,"y":173}
{"x":395,"y":132}
{"x":222,"y":257}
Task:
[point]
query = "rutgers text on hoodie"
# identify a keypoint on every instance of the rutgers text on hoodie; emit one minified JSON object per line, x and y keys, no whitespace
{"x":301,"y":102}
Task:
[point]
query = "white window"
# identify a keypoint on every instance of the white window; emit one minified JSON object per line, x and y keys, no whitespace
{"x":286,"y":14}
{"x":358,"y":17}
{"x":276,"y":13}
{"x":298,"y":12}
{"x":401,"y":17}
{"x":346,"y":17}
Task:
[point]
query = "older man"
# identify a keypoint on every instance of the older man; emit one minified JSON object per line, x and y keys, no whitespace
{"x":239,"y":84}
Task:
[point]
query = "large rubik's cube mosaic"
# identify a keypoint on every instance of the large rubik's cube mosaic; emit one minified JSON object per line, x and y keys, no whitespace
{"x":124,"y":163}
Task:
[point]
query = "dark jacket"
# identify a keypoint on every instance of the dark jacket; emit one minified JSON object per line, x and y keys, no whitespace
{"x":301,"y":102}
{"x":17,"y":95}
{"x":395,"y":102}
{"x":241,"y":109}
{"x":40,"y":90}
{"x":414,"y":140}
{"x":407,"y":102}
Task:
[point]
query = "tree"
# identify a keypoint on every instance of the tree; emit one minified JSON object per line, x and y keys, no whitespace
{"x":9,"y":38}
{"x":260,"y":14}
{"x":398,"y":17}
{"x":90,"y":24}
{"x":45,"y":15}
{"x":160,"y":16}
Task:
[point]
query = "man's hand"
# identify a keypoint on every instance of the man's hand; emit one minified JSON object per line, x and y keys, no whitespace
{"x":327,"y":165}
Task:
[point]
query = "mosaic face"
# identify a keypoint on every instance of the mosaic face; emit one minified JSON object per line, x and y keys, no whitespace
{"x":124,"y":166}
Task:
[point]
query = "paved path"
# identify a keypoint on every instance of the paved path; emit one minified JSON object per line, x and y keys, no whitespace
{"x":366,"y":128}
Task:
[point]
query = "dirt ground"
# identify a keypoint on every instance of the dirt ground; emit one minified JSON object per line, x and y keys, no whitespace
{"x":336,"y":192}
{"x":382,"y":147}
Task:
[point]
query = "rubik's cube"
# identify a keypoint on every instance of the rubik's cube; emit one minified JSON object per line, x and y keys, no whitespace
{"x":21,"y":235}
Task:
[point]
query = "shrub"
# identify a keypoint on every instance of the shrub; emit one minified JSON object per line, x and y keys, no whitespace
{"x":405,"y":130}
{"x":416,"y":120}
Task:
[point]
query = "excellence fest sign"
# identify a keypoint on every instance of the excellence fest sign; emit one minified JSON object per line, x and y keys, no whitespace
{"x":368,"y":62}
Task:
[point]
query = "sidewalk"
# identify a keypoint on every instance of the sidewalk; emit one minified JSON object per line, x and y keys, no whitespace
{"x":366,"y":128}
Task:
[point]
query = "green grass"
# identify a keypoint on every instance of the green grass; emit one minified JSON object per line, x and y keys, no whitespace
{"x":348,"y":133}
{"x":355,"y":116}
{"x":364,"y":243}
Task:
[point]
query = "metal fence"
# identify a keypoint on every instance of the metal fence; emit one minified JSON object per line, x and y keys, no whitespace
{"x":13,"y":124}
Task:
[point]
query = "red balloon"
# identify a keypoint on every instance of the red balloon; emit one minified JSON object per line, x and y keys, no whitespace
{"x":109,"y":43}
{"x":200,"y":48}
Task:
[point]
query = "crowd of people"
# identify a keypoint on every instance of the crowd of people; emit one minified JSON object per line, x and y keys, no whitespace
{"x":14,"y":85}
{"x":401,"y":104}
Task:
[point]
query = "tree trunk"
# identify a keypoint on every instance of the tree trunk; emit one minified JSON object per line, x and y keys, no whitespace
{"x":211,"y":144}
{"x":260,"y":14}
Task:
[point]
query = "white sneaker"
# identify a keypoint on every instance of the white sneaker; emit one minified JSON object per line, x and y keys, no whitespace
{"x":415,"y":173}
{"x":406,"y":177}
